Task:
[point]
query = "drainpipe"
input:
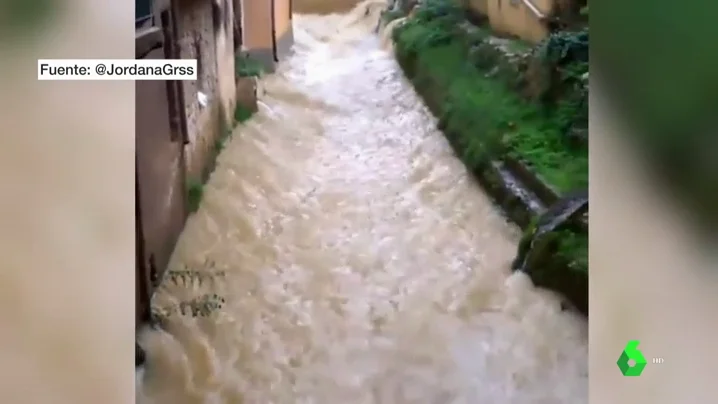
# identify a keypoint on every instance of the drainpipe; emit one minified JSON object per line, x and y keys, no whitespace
{"x":179,"y":87}
{"x":532,"y":7}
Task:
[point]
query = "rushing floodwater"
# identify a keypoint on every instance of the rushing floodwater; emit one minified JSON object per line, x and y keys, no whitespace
{"x":358,"y":260}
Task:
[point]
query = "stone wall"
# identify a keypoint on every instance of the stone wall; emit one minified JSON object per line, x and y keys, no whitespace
{"x":205,"y":33}
{"x":515,"y":17}
{"x":224,"y":46}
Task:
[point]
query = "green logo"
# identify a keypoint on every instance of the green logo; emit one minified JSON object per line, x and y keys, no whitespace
{"x":631,"y":362}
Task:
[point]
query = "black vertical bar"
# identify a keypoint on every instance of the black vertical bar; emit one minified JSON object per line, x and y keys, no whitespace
{"x":274,"y":31}
{"x":142,"y":298}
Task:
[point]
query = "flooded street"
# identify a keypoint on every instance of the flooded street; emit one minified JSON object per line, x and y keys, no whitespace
{"x":358,"y":260}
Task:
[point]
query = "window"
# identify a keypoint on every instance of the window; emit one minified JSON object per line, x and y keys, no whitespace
{"x":143,"y":12}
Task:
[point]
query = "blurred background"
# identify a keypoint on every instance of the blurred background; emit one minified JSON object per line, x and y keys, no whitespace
{"x":67,"y":214}
{"x":653,"y":190}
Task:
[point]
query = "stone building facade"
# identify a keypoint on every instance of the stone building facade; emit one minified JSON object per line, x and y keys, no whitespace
{"x":178,"y":123}
{"x":205,"y":32}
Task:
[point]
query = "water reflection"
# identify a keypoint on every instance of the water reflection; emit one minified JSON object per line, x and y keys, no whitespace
{"x":358,"y":261}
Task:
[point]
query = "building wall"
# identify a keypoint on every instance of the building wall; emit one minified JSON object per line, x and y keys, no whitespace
{"x":283,"y":28}
{"x":159,"y":168}
{"x":513,"y":17}
{"x":267,"y":23}
{"x":204,"y":31}
{"x":479,"y":6}
{"x":196,"y":40}
{"x":282,"y":17}
{"x":257,"y":24}
{"x":159,"y":186}
{"x":225,"y":60}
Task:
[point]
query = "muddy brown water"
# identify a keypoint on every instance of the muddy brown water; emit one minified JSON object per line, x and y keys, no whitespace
{"x":358,"y":260}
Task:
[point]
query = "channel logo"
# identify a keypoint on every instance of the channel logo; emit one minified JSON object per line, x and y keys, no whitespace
{"x":632,"y":362}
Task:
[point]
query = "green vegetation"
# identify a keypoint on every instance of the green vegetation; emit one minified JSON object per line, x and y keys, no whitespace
{"x":569,"y":245}
{"x":484,"y":115}
{"x":195,"y":190}
{"x":244,"y":66}
{"x":202,"y":305}
{"x":391,"y":15}
{"x":557,"y":260}
{"x":505,"y":100}
{"x":573,"y":248}
{"x":242,"y":113}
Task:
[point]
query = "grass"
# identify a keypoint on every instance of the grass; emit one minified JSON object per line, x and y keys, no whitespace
{"x":195,"y":190}
{"x":573,"y":248}
{"x":487,"y":118}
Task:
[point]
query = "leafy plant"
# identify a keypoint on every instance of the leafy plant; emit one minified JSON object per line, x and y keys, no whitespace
{"x":562,"y":64}
{"x":187,"y":277}
{"x":443,"y":12}
{"x":564,"y":47}
{"x":202,"y":306}
{"x":391,"y":15}
{"x":573,"y":247}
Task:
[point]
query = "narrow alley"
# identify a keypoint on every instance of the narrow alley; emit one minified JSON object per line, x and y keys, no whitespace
{"x":354,"y":257}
